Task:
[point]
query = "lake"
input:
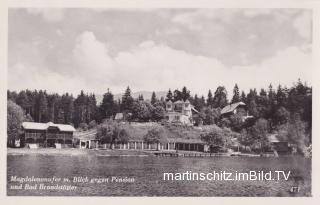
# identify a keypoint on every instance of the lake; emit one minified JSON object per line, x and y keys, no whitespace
{"x":146,"y":175}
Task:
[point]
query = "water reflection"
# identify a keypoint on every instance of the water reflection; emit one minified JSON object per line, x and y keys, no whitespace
{"x":147,"y":172}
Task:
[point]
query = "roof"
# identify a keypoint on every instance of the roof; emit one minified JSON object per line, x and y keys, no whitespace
{"x":231,"y":107}
{"x":192,"y":108}
{"x":86,"y":135}
{"x":178,"y":102}
{"x":273,"y":138}
{"x":45,"y":126}
{"x":119,"y":116}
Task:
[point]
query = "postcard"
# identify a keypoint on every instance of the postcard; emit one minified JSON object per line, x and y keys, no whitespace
{"x":160,"y":101}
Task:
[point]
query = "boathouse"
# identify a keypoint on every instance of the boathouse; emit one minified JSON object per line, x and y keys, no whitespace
{"x":47,"y":134}
{"x":171,"y":145}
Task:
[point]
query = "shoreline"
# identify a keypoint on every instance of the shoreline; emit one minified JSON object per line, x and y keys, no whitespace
{"x":121,"y":153}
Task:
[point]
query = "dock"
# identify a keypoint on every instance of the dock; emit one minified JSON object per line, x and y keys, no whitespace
{"x":193,"y":154}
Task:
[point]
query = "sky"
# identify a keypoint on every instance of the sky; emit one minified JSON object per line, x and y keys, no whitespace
{"x":68,"y":50}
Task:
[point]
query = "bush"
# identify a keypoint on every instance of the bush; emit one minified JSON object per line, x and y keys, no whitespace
{"x":155,"y":135}
{"x":92,"y":124}
{"x":83,"y":126}
{"x":112,"y":132}
{"x":15,"y":117}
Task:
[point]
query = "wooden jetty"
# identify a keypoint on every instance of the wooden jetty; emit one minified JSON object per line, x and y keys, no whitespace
{"x":193,"y":154}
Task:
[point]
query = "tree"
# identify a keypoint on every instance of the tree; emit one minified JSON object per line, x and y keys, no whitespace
{"x":158,"y":113}
{"x":281,"y":116}
{"x":80,"y":109}
{"x":210,"y":99}
{"x":202,"y":103}
{"x":127,"y":101}
{"x":297,"y":133}
{"x":141,"y":111}
{"x":107,"y":107}
{"x":42,"y":107}
{"x":236,"y":122}
{"x":259,"y":132}
{"x":281,"y":97}
{"x":67,"y":104}
{"x":220,"y":97}
{"x":243,"y":97}
{"x":112,"y":132}
{"x":169,"y":96}
{"x":153,"y":98}
{"x":24,"y":101}
{"x":185,"y":94}
{"x":214,"y":138}
{"x":196,"y":102}
{"x":177,"y":95}
{"x":236,"y":94}
{"x":15,"y":117}
{"x":155,"y":135}
{"x":92,"y":124}
{"x":141,"y":97}
{"x":245,"y":139}
{"x":209,"y":115}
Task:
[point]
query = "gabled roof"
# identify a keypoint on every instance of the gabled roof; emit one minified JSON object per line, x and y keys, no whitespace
{"x":178,"y":102}
{"x":45,"y":126}
{"x":273,"y":138}
{"x":231,"y":107}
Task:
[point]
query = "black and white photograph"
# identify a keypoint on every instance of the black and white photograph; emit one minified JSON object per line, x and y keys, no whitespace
{"x":159,"y":102}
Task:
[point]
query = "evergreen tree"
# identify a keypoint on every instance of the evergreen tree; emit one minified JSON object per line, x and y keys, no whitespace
{"x":42,"y":107}
{"x":24,"y":101}
{"x":153,"y":98}
{"x":185,"y":94}
{"x":210,"y":99}
{"x":67,"y":107}
{"x":243,"y":97}
{"x":169,"y":96}
{"x":141,"y":97}
{"x":202,"y":103}
{"x":236,"y":94}
{"x":196,"y":102}
{"x":281,"y":96}
{"x":220,"y":97}
{"x":177,"y":95}
{"x":127,"y":101}
{"x":107,"y":105}
{"x":80,"y":106}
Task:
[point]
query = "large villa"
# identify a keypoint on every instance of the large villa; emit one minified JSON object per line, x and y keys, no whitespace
{"x":180,"y":112}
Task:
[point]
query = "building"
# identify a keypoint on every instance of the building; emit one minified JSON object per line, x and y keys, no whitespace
{"x":236,"y":108}
{"x":171,"y":145}
{"x":281,"y":147}
{"x":86,"y":139}
{"x":179,"y":112}
{"x":119,"y":116}
{"x":47,"y":134}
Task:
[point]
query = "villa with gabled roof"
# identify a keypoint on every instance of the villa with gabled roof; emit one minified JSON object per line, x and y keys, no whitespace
{"x":235,"y":108}
{"x":179,"y":112}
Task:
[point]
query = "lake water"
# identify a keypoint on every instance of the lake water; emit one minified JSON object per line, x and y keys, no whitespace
{"x":148,"y":175}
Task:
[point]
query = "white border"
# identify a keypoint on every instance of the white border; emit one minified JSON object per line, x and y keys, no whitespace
{"x":312,"y":4}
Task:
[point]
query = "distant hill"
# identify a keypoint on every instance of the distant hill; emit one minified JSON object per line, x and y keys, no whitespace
{"x":146,"y":95}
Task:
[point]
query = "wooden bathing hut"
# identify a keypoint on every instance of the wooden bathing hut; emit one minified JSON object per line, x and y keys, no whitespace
{"x":47,"y":134}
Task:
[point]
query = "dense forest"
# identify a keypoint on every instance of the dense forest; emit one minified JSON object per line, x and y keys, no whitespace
{"x":279,"y":109}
